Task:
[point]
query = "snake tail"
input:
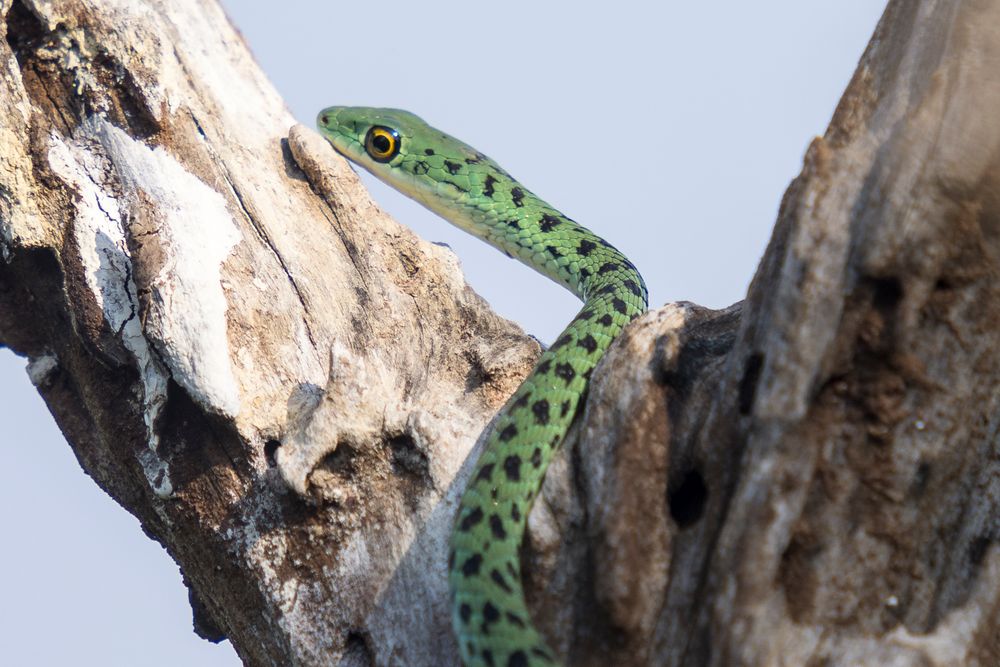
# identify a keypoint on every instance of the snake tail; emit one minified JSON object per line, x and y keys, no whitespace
{"x":489,"y":614}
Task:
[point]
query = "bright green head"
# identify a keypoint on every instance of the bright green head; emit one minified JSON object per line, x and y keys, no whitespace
{"x":377,"y":139}
{"x":420,"y":161}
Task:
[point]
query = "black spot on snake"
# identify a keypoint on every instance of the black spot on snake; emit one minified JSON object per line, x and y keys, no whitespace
{"x":488,"y":657}
{"x":632,"y":287}
{"x":554,"y":251}
{"x":514,"y":619}
{"x":488,"y":185}
{"x":522,"y":400}
{"x":428,"y":151}
{"x":608,"y":266}
{"x":606,"y":320}
{"x":515,"y":513}
{"x":485,"y":473}
{"x":508,"y":432}
{"x":541,"y":411}
{"x":584,"y":274}
{"x":565,"y":371}
{"x":564,"y":408}
{"x":470,"y":567}
{"x":586,"y":314}
{"x":452,"y":167}
{"x":514,"y":224}
{"x":565,"y":339}
{"x":517,"y":196}
{"x":543,"y":367}
{"x":490,"y":613}
{"x":465,"y":611}
{"x":421,"y":168}
{"x":512,"y":466}
{"x":471,"y":519}
{"x":586,"y":247}
{"x":536,"y":457}
{"x":517,"y":659}
{"x":588,"y":343}
{"x":548,"y":222}
{"x":500,"y":581}
{"x":496,"y":525}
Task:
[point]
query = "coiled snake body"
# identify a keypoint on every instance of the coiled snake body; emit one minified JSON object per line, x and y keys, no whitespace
{"x":489,"y":613}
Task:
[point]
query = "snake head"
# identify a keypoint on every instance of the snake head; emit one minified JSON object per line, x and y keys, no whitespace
{"x":398,"y":147}
{"x":370,"y":137}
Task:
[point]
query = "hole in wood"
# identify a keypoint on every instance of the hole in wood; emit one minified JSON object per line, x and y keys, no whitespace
{"x":270,"y":452}
{"x":688,"y":498}
{"x":748,"y":383}
{"x":886,"y":294}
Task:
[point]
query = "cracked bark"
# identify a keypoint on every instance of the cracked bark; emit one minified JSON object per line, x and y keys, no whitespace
{"x":283,"y":385}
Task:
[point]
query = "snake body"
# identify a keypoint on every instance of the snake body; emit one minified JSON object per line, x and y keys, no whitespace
{"x":489,"y":613}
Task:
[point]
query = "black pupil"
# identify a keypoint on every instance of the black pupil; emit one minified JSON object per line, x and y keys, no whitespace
{"x":381,"y":143}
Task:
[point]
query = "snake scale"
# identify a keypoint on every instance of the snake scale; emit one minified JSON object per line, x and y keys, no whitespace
{"x":489,"y":613}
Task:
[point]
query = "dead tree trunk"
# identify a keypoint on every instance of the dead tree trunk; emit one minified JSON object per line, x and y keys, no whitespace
{"x":283,"y":384}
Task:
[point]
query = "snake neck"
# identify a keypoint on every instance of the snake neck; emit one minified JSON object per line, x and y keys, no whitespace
{"x":487,"y":202}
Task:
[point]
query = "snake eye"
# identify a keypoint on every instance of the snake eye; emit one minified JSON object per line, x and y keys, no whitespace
{"x":382,"y":143}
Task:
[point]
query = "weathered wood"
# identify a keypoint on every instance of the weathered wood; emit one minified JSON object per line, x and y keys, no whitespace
{"x":283,"y":384}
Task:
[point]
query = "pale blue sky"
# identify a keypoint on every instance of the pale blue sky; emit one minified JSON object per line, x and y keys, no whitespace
{"x":670,"y":128}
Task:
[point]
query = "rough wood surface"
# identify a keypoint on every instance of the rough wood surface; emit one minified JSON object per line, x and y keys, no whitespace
{"x":283,"y":384}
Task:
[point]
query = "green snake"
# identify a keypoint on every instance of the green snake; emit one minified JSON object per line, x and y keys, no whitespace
{"x":489,"y":614}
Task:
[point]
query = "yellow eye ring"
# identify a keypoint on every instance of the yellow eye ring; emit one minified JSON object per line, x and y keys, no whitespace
{"x":382,"y":143}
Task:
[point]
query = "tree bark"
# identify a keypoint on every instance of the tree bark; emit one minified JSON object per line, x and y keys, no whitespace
{"x":283,"y":384}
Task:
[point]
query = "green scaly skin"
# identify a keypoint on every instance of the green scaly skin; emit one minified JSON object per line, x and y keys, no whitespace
{"x":489,"y":613}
